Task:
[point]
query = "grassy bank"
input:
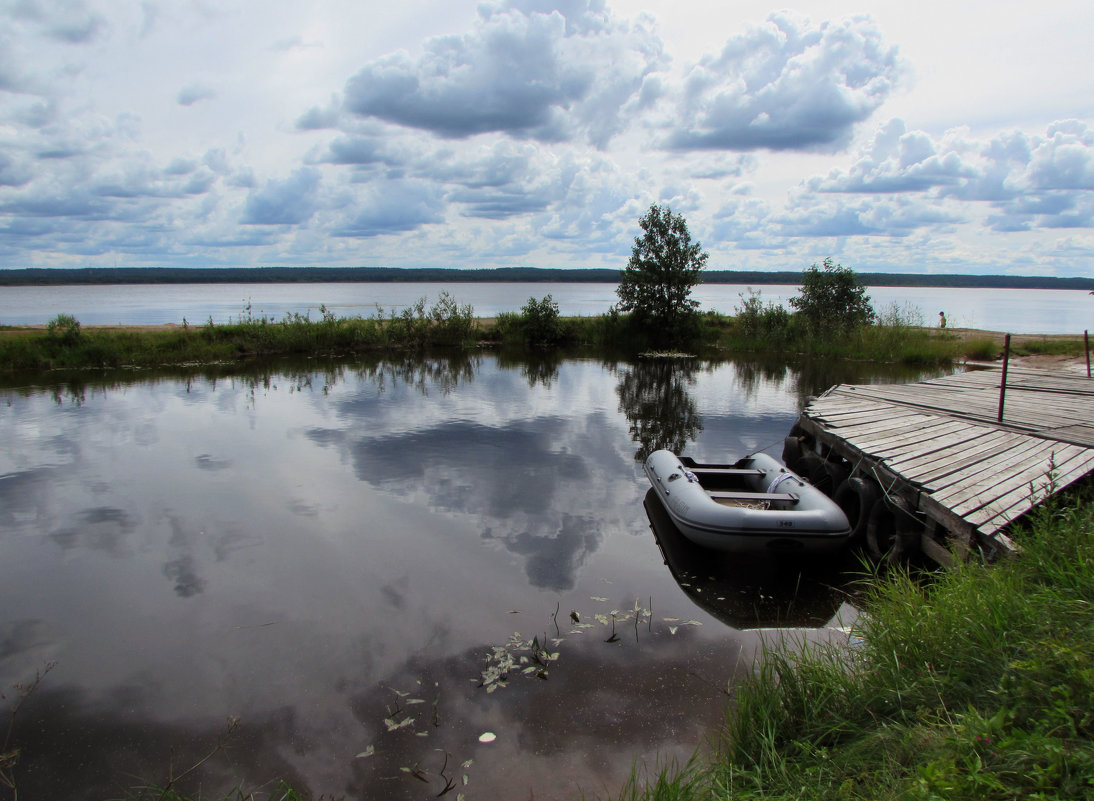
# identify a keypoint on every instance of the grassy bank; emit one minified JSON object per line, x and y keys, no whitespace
{"x":977,"y":683}
{"x":65,"y":344}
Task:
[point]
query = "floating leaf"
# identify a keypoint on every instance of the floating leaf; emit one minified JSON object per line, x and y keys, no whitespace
{"x":466,"y":764}
{"x":599,"y":599}
{"x":672,"y":629}
{"x":402,"y":724}
{"x":366,"y":753}
{"x":410,"y":701}
{"x":574,"y":616}
{"x":487,"y":737}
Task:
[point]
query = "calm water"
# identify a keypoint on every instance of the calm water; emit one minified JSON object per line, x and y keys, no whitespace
{"x":1018,"y":311}
{"x":334,"y":553}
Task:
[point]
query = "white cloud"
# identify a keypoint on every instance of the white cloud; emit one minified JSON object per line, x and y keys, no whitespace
{"x":786,"y":85}
{"x":528,"y":72}
{"x":537,"y":132}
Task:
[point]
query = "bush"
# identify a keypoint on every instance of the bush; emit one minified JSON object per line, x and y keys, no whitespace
{"x":768,"y":322}
{"x":832,"y":302}
{"x":540,"y":323}
{"x":64,"y":328}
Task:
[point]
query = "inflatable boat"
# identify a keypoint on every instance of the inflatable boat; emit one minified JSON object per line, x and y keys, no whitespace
{"x":755,"y":505}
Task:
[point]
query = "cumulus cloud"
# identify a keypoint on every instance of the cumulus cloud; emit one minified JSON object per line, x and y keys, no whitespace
{"x":899,"y":160}
{"x":526,"y":69}
{"x":1029,"y":181}
{"x":12,"y":172}
{"x":65,"y":20}
{"x":896,"y":216}
{"x":387,"y":207}
{"x":194,"y":93}
{"x":786,"y":85}
{"x":291,"y":201}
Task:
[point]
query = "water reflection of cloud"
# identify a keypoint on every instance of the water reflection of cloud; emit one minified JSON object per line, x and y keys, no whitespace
{"x":24,"y":496}
{"x":553,"y":561}
{"x":20,"y":636}
{"x":206,"y":461}
{"x":532,"y":480}
{"x":101,"y":528}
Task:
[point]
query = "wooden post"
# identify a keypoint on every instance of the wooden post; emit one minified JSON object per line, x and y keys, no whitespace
{"x":1086,"y":341}
{"x":1003,"y":380}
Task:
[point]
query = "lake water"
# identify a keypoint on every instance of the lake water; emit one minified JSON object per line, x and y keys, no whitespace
{"x":334,"y":553}
{"x":1018,"y":311}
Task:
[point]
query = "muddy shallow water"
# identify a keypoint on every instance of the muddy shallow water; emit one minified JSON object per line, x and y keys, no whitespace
{"x":344,"y":557}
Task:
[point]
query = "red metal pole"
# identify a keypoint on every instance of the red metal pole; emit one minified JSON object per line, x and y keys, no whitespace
{"x":1003,"y":380}
{"x":1086,"y":339}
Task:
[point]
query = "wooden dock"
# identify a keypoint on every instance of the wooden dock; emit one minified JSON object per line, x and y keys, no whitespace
{"x":937,"y":450}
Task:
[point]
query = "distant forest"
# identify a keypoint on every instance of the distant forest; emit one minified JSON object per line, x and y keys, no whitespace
{"x":313,"y":275}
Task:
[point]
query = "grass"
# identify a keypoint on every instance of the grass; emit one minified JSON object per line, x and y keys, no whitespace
{"x":897,"y":336}
{"x":976,"y":683}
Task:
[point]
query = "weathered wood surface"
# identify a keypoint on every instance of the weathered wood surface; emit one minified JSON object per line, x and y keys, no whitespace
{"x":939,"y":443}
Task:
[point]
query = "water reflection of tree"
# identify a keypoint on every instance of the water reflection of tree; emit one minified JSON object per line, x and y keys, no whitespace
{"x":653,"y":394}
{"x":422,"y":372}
{"x":537,"y":367}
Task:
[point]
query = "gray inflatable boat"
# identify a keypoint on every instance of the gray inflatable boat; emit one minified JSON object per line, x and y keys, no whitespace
{"x":755,"y":505}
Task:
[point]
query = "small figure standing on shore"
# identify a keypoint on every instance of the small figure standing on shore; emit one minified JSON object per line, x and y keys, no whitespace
{"x":942,"y":319}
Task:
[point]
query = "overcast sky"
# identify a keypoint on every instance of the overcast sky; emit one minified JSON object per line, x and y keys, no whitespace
{"x":921,"y":136}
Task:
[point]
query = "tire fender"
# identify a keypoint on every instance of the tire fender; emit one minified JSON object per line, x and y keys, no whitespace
{"x":856,"y":497}
{"x":890,"y":530}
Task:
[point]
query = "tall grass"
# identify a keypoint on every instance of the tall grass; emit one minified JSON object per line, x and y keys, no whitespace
{"x":63,"y":344}
{"x":976,"y":683}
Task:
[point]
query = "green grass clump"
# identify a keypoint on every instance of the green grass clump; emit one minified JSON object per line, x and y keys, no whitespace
{"x":1052,"y":347}
{"x":982,"y":349}
{"x":976,"y":683}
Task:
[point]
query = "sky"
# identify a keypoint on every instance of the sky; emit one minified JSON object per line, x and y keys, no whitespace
{"x":926,"y":137}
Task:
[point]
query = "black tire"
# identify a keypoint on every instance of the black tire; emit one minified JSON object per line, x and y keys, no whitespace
{"x":856,"y":497}
{"x":793,"y":451}
{"x":890,"y":531}
{"x":811,"y":468}
{"x":838,"y":472}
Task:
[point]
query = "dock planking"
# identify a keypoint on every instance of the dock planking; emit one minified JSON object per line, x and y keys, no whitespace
{"x":939,"y":445}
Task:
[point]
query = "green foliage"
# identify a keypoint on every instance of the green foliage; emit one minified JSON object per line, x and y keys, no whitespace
{"x":664,"y":266}
{"x":832,"y":301}
{"x":768,"y":323}
{"x":982,"y":350}
{"x":64,"y":345}
{"x":64,"y":328}
{"x":539,"y":322}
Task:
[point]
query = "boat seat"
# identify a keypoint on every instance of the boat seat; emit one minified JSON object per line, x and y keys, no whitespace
{"x":788,"y":497}
{"x":726,"y":471}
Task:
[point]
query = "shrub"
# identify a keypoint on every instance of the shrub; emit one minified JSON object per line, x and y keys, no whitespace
{"x":832,"y":301}
{"x":539,"y":322}
{"x":768,"y":322}
{"x":65,"y":328}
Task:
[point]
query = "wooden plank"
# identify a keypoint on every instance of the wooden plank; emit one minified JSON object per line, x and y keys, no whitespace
{"x":975,"y":480}
{"x":1005,"y":509}
{"x":724,"y":471}
{"x":929,"y":429}
{"x":1018,"y":477}
{"x":754,"y":496}
{"x":936,"y":473}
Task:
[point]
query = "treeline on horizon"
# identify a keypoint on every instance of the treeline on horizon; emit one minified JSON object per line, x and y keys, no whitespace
{"x":46,"y":276}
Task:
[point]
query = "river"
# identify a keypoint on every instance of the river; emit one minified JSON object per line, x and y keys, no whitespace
{"x":1017,"y":311}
